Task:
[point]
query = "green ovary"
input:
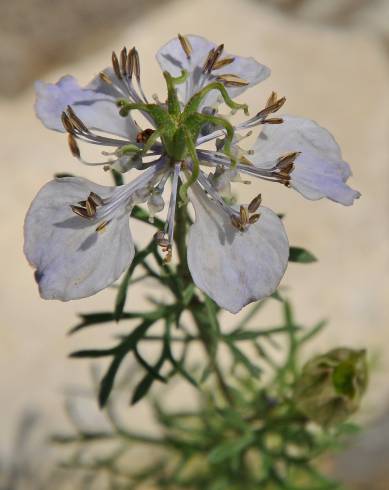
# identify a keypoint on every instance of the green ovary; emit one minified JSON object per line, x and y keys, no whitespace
{"x":179,"y":129}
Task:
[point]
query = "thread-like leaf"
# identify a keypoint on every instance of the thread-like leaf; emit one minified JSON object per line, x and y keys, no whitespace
{"x":123,"y":288}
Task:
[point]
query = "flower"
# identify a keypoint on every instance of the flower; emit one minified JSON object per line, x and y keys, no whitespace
{"x":77,"y":233}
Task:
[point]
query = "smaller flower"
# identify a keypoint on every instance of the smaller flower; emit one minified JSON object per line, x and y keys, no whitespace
{"x":77,"y":233}
{"x":331,"y":386}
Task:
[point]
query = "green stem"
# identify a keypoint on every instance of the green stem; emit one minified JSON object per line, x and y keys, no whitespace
{"x":197,"y":308}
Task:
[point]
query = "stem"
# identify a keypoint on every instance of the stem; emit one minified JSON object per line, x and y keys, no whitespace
{"x":196,"y":307}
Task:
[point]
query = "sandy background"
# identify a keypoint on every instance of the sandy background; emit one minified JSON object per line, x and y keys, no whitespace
{"x":332,"y":67}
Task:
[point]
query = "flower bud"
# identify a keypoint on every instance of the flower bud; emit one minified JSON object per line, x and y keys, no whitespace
{"x":331,"y":386}
{"x":155,"y":203}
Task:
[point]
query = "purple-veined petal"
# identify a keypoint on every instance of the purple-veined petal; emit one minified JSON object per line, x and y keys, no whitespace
{"x":319,"y":171}
{"x":235,"y":268}
{"x":97,"y":109}
{"x":73,"y":260}
{"x":173,"y":59}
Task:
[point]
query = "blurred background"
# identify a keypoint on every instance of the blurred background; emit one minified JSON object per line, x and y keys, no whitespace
{"x":330,"y":58}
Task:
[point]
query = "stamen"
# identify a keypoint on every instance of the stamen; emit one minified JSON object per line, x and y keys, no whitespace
{"x":207,"y":186}
{"x":80,"y":211}
{"x":185,"y":45}
{"x":244,"y":215}
{"x":254,"y":204}
{"x":102,"y":226}
{"x":115,"y":66}
{"x":235,"y":220}
{"x":213,"y":56}
{"x":273,"y":120}
{"x":133,"y":68}
{"x":224,"y":62}
{"x":67,"y":123}
{"x":208,"y":60}
{"x":284,"y":162}
{"x":273,"y":104}
{"x":135,"y":63}
{"x":130,"y":63}
{"x":274,"y":107}
{"x":98,"y":201}
{"x":244,"y":220}
{"x":254,"y":218}
{"x":123,"y":61}
{"x":75,"y":120}
{"x":168,"y":233}
{"x":73,"y":146}
{"x":272,"y":99}
{"x":161,"y":240}
{"x":90,"y":207}
{"x":130,"y":193}
{"x":105,"y":78}
{"x":231,"y":80}
{"x":143,"y":136}
{"x":73,"y":125}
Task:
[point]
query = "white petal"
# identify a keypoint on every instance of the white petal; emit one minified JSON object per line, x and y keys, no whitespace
{"x":172,"y":58}
{"x":72,"y":260}
{"x":97,"y":109}
{"x":232,"y":267}
{"x":319,"y":170}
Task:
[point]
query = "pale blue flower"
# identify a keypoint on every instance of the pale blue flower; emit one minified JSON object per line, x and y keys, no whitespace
{"x":77,"y":233}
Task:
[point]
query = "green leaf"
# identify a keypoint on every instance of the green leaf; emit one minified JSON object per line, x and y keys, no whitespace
{"x":242,"y":335}
{"x":90,"y":319}
{"x":123,"y":288}
{"x":288,"y":315}
{"x":243,"y":359}
{"x":106,"y":384}
{"x":177,"y":365}
{"x":147,"y":381}
{"x":150,"y":369}
{"x":142,"y":388}
{"x":230,"y":449}
{"x":277,"y":296}
{"x":93,"y":353}
{"x":207,"y":371}
{"x":251,"y":313}
{"x":313,"y":331}
{"x":188,"y":293}
{"x":212,"y":310}
{"x":300,"y":255}
{"x":128,"y":344}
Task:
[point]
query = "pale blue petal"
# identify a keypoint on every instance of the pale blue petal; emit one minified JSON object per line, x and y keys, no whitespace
{"x":97,"y":109}
{"x":319,"y":171}
{"x":235,"y":268}
{"x":71,"y":259}
{"x":172,"y":58}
